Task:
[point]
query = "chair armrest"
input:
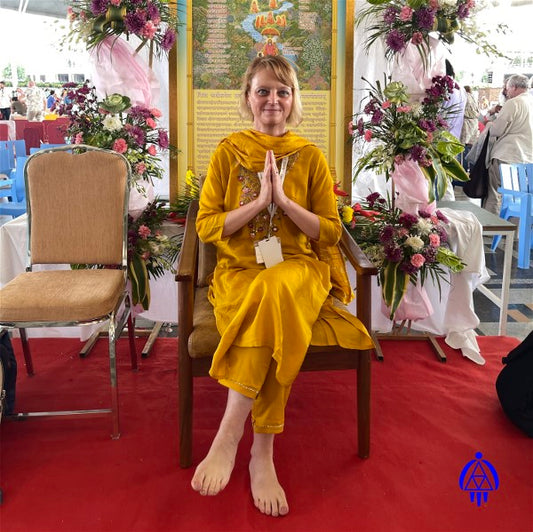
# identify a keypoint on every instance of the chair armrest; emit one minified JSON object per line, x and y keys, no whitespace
{"x":355,"y":255}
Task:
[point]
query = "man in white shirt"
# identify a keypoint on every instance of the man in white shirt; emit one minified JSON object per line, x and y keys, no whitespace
{"x":5,"y":102}
{"x":35,"y":102}
{"x":512,"y":132}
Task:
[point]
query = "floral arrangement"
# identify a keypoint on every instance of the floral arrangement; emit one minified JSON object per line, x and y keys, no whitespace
{"x":114,"y":124}
{"x":402,"y":246}
{"x":150,"y":253}
{"x":178,"y":208}
{"x":400,"y":22}
{"x":392,"y":130}
{"x":153,"y":21}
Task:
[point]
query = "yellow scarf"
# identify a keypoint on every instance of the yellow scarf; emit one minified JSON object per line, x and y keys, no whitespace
{"x":250,"y":147}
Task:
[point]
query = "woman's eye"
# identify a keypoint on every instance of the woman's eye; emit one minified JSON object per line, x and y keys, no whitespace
{"x":284,"y":93}
{"x":262,"y":92}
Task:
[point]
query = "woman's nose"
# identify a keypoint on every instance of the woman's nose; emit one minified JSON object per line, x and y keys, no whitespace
{"x":273,"y":97}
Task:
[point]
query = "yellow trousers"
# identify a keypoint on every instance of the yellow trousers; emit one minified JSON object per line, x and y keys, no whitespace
{"x":251,"y":371}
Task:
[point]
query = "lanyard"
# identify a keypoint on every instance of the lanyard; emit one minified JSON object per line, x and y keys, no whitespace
{"x":272,"y":208}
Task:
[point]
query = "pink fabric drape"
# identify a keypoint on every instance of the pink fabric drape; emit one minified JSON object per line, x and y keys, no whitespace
{"x":412,"y":188}
{"x":414,"y":306}
{"x":118,"y":69}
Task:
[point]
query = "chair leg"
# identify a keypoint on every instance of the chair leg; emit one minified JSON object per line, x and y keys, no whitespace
{"x":524,"y":231}
{"x":363,"y":404}
{"x":185,"y":407}
{"x":114,"y":381}
{"x":131,"y":337}
{"x":27,"y":353}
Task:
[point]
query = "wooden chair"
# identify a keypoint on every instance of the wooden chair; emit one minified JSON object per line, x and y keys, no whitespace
{"x":77,"y":214}
{"x":198,"y":336}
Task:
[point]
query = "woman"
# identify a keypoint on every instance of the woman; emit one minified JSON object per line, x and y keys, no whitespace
{"x":268,"y":195}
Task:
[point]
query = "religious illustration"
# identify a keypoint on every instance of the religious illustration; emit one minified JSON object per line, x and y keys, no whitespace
{"x":226,"y":37}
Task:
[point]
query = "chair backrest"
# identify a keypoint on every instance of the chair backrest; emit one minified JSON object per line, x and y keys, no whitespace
{"x":77,"y":206}
{"x":516,"y":178}
{"x":33,"y":137}
{"x":4,"y":132}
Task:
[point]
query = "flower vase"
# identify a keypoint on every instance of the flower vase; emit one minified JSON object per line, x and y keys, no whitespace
{"x":415,"y":304}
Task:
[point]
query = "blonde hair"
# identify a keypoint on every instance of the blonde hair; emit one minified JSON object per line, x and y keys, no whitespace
{"x":285,"y":73}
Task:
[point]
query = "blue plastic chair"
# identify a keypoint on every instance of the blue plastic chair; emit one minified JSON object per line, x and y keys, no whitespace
{"x":517,"y":202}
{"x":17,"y":193}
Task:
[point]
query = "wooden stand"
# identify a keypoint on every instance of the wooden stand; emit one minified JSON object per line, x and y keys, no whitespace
{"x":402,"y":332}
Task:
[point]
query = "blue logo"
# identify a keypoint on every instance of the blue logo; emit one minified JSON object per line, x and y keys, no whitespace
{"x":479,"y":477}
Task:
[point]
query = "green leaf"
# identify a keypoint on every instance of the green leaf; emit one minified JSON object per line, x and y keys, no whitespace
{"x":140,"y":284}
{"x":393,"y":285}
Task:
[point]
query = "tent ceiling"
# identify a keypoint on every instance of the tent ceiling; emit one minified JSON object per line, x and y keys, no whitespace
{"x":49,"y":8}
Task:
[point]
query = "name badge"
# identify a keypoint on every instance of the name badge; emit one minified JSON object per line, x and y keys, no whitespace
{"x":270,"y":250}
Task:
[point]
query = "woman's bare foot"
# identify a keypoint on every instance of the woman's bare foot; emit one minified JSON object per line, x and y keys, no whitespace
{"x":267,"y":492}
{"x":213,"y":472}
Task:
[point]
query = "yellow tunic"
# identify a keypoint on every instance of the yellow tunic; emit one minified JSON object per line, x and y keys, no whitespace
{"x":273,"y":307}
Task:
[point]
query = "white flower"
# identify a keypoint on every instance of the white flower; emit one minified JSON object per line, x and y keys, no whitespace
{"x":424,"y":226}
{"x":112,"y":123}
{"x":415,"y":242}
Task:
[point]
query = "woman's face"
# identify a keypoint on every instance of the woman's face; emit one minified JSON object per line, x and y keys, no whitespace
{"x":270,"y":101}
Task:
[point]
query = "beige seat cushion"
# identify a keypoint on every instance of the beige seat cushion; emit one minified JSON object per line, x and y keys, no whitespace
{"x":61,"y":295}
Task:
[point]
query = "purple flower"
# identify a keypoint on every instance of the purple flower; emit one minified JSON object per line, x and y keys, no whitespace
{"x":386,"y":234}
{"x":169,"y":38}
{"x":360,"y":126}
{"x":424,"y":214}
{"x":153,"y":13}
{"x":418,"y":153}
{"x":390,"y":14}
{"x":463,"y":11}
{"x":371,"y":198}
{"x":425,"y":18}
{"x":427,"y":125}
{"x":393,"y":253}
{"x":407,"y":220}
{"x":442,"y":234}
{"x":395,"y":40}
{"x":98,"y":7}
{"x":408,"y":268}
{"x":430,"y":254}
{"x":371,"y":106}
{"x":163,"y":139}
{"x":441,"y":217}
{"x":137,"y":134}
{"x":377,"y":116}
{"x":135,"y":22}
{"x":139,"y":111}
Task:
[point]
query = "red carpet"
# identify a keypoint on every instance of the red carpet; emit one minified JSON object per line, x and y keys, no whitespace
{"x":429,"y":420}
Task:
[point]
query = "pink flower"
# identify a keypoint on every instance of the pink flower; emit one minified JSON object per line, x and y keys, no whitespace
{"x":368,"y":135}
{"x":78,"y":139}
{"x":386,"y":104}
{"x":152,"y":150}
{"x":145,"y":255}
{"x":417,"y":260}
{"x":149,"y":30}
{"x":150,"y":122}
{"x":120,"y":146}
{"x":406,"y":13}
{"x":116,"y":2}
{"x":403,"y":108}
{"x":144,"y":232}
{"x":434,"y":4}
{"x":417,"y":38}
{"x":434,"y":240}
{"x":140,"y":168}
{"x":156,"y":112}
{"x":399,"y":159}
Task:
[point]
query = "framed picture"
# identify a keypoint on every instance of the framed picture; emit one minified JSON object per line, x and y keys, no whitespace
{"x":219,"y":41}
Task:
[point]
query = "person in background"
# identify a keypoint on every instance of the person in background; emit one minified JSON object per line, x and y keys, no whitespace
{"x":5,"y":101}
{"x":35,"y":102}
{"x":17,"y":107}
{"x":470,"y":130}
{"x":511,"y":134}
{"x":51,"y":101}
{"x":267,"y":196}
